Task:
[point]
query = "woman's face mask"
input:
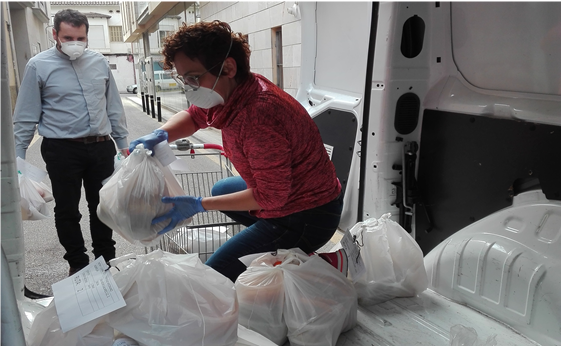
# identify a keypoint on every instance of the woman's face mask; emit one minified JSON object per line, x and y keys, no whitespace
{"x":204,"y":97}
{"x":74,"y":49}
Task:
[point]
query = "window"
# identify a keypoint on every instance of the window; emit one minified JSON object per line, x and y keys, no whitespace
{"x":115,"y":34}
{"x":96,"y":37}
{"x":276,"y":34}
{"x":165,"y":30}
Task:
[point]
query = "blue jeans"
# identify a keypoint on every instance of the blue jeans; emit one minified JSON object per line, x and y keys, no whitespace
{"x":308,"y":230}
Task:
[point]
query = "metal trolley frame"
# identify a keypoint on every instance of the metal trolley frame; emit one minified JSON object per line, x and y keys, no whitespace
{"x":208,"y":230}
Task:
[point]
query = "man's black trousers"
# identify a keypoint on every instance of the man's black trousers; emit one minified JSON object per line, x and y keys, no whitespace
{"x":69,"y":163}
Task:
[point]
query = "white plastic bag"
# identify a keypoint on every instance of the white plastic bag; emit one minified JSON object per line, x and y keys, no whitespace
{"x":175,"y":300}
{"x":132,"y":198}
{"x":393,"y":260}
{"x":319,"y":302}
{"x":34,"y":198}
{"x":46,"y":331}
{"x":201,"y":240}
{"x":34,"y":194}
{"x":247,"y":337}
{"x":117,"y":163}
{"x":260,"y":292}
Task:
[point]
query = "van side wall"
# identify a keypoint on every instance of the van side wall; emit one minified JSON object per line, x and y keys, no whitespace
{"x":466,"y":82}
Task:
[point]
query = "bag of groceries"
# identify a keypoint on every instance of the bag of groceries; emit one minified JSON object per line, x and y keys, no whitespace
{"x":33,"y":192}
{"x":46,"y":331}
{"x":289,"y":294}
{"x":175,"y":300}
{"x":33,"y":204}
{"x":133,"y":197}
{"x":170,"y":300}
{"x":393,"y":261}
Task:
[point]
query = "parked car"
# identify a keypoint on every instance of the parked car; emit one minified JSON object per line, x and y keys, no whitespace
{"x":132,"y":88}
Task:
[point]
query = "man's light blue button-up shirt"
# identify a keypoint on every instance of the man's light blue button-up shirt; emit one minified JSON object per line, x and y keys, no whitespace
{"x":68,"y":99}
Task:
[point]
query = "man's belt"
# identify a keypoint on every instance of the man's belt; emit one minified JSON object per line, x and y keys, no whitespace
{"x":91,"y":139}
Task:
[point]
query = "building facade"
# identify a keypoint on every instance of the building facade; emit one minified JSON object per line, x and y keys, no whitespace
{"x":25,"y":32}
{"x":272,"y":28}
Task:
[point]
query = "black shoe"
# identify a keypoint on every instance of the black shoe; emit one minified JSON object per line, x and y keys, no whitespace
{"x":73,"y":271}
{"x":33,"y":295}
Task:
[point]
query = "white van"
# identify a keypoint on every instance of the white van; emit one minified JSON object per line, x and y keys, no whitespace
{"x":448,"y":116}
{"x":164,"y":81}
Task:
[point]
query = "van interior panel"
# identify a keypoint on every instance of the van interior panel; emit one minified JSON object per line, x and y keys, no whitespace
{"x":338,"y":131}
{"x":470,"y":165}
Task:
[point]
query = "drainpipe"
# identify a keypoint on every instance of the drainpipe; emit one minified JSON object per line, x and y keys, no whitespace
{"x":12,"y":331}
{"x":197,"y":12}
{"x":12,"y":266}
{"x":12,"y":234}
{"x":14,"y":57}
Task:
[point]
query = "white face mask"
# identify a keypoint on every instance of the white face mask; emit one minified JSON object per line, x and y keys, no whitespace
{"x":204,"y":97}
{"x":74,"y":49}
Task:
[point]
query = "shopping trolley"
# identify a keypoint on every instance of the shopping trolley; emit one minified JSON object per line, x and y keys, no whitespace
{"x":208,"y":230}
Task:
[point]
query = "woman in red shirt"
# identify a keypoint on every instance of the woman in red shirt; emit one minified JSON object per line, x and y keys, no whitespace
{"x":287,"y":193}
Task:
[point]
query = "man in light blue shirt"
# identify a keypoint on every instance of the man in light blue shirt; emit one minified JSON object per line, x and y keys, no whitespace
{"x":70,"y":95}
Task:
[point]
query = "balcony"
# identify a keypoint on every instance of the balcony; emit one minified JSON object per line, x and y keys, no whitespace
{"x":147,"y":16}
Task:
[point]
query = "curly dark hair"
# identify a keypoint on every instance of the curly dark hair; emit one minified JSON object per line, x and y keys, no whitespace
{"x":208,"y":42}
{"x":72,"y":17}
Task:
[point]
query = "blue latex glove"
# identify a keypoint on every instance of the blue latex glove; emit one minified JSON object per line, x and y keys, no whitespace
{"x":183,"y":208}
{"x":150,"y":140}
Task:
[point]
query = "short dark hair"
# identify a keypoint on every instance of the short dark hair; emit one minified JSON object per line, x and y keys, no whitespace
{"x":208,"y":42}
{"x":72,"y":17}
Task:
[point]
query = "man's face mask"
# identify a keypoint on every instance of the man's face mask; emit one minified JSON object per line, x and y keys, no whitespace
{"x":74,"y":49}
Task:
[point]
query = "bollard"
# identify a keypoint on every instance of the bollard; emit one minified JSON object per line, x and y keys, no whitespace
{"x":159,"y":105}
{"x":143,"y":103}
{"x":147,"y":104}
{"x":152,"y":106}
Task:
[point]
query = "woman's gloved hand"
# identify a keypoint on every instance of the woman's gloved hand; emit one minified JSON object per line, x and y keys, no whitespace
{"x":183,"y":208}
{"x":150,"y":140}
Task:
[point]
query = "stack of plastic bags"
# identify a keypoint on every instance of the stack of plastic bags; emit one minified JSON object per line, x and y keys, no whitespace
{"x":175,"y":300}
{"x":132,"y":198}
{"x":170,"y":300}
{"x":291,"y":295}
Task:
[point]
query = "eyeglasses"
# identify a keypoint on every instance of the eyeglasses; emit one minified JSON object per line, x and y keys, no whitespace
{"x":191,"y":83}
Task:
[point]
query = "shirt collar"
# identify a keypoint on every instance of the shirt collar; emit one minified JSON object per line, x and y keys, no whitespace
{"x":60,"y":54}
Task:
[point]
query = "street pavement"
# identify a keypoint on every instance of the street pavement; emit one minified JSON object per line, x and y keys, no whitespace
{"x":44,"y":263}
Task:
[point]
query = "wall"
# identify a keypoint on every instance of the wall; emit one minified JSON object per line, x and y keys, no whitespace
{"x":30,"y":36}
{"x":256,"y":20}
{"x":124,"y":74}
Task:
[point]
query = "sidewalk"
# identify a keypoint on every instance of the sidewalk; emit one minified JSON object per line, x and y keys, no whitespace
{"x":166,"y":113}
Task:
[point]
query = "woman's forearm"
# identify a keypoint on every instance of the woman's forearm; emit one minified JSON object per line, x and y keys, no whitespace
{"x":181,"y":125}
{"x":237,"y":201}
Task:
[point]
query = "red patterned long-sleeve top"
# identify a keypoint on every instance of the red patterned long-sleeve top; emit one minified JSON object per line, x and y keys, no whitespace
{"x":275,"y":146}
